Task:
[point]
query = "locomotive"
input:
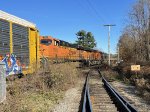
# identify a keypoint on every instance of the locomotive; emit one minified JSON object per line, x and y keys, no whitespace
{"x":55,"y":49}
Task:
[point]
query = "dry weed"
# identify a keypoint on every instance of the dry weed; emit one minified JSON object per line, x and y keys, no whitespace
{"x":39,"y":91}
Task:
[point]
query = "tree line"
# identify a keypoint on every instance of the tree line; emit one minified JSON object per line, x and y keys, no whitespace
{"x":134,"y":43}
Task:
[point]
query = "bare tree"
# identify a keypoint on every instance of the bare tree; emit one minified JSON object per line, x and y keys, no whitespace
{"x":138,"y":30}
{"x":126,"y":46}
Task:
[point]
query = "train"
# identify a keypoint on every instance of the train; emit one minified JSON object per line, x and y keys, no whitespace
{"x":22,"y":49}
{"x":55,"y":49}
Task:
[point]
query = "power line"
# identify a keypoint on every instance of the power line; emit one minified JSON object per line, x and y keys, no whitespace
{"x":82,"y":6}
{"x":95,"y":11}
{"x":90,"y":6}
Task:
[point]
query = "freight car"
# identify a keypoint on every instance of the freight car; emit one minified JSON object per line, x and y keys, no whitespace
{"x":19,"y":40}
{"x":58,"y":50}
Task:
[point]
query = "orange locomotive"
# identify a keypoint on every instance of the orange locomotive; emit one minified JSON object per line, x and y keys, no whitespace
{"x":54,"y":49}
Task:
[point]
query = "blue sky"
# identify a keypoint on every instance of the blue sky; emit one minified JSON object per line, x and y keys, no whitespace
{"x":63,"y":18}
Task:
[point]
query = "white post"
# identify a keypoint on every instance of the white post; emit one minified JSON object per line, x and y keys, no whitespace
{"x":2,"y":82}
{"x":109,"y":25}
{"x":109,"y":45}
{"x":118,"y":55}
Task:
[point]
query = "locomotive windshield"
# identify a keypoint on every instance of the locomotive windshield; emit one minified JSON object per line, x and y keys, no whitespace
{"x":46,"y":41}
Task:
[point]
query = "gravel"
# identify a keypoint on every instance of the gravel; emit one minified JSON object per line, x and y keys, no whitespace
{"x":71,"y":100}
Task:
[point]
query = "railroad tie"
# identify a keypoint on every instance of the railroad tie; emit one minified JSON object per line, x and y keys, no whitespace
{"x":101,"y":101}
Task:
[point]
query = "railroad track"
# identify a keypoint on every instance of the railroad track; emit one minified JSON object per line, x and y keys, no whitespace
{"x":100,"y":96}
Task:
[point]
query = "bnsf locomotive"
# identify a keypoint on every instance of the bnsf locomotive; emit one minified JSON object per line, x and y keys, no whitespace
{"x":21,"y":45}
{"x":58,"y":49}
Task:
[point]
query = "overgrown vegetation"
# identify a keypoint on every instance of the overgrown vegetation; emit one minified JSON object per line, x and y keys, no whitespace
{"x":38,"y":92}
{"x":140,"y":79}
{"x":123,"y":73}
{"x":134,"y":47}
{"x":134,"y":42}
{"x":110,"y":75}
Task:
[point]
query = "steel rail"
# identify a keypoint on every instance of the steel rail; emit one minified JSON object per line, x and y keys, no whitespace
{"x":124,"y":105}
{"x":125,"y":102}
{"x":87,"y":107}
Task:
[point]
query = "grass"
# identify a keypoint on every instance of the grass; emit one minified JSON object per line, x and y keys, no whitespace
{"x":40,"y":102}
{"x":111,"y":75}
{"x":40,"y":91}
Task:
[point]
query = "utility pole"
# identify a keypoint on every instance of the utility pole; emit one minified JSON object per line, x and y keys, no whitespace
{"x":148,"y":39}
{"x":109,"y":26}
{"x":118,"y":55}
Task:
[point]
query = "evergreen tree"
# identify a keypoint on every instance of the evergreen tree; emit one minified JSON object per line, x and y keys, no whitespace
{"x":85,"y":39}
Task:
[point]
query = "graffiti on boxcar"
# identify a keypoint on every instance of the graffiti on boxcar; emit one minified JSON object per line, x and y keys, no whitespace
{"x":11,"y":65}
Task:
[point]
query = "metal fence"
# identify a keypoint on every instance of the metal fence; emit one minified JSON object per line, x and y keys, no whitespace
{"x":2,"y":82}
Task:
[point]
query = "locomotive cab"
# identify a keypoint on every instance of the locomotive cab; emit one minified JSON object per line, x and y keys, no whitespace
{"x":46,"y":41}
{"x":49,"y":47}
{"x":56,"y":42}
